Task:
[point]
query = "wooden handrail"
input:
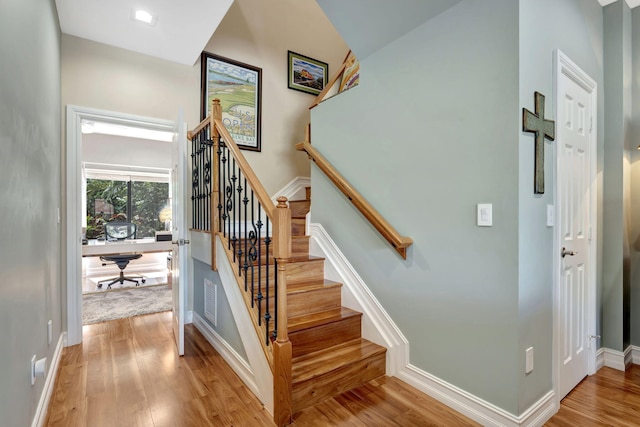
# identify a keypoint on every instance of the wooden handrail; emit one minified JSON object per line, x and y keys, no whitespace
{"x":399,"y":242}
{"x":329,"y":85}
{"x":198,"y":128}
{"x":248,"y":173}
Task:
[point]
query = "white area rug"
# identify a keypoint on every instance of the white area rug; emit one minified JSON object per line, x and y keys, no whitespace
{"x":103,"y":306}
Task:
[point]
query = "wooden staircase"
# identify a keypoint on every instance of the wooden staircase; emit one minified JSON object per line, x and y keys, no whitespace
{"x":312,"y":343}
{"x":329,"y":355}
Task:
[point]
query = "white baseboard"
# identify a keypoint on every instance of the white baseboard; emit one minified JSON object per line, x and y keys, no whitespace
{"x":635,"y":355}
{"x":599,"y":358}
{"x":188,"y":318}
{"x":475,"y":408}
{"x":616,"y":359}
{"x":377,"y":325}
{"x":52,"y":373}
{"x":628,"y":357}
{"x":294,"y":190}
{"x":237,"y":363}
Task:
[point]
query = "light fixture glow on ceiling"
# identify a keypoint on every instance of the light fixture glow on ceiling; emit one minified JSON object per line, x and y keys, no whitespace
{"x":144,"y":16}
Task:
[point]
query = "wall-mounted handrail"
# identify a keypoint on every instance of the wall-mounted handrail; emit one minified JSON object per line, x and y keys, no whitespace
{"x":399,"y":242}
{"x":332,"y":82}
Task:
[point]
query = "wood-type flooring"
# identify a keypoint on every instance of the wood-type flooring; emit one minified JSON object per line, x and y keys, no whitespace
{"x":127,"y":373}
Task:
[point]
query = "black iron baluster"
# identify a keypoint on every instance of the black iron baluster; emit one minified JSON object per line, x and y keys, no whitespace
{"x":253,"y":251}
{"x":207,"y":184}
{"x":229,"y":193}
{"x":275,"y":300}
{"x":220,"y":144}
{"x":200,"y":173}
{"x":267,"y":242}
{"x":224,"y":185}
{"x":239,"y":223}
{"x":245,"y":266}
{"x":232,"y":214}
{"x":193,"y":198}
{"x":259,"y":225}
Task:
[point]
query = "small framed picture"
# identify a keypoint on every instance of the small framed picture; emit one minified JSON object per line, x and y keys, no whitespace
{"x":239,"y":88}
{"x":307,"y":74}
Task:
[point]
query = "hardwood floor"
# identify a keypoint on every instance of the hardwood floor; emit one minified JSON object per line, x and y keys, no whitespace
{"x":608,"y":398}
{"x":127,"y":373}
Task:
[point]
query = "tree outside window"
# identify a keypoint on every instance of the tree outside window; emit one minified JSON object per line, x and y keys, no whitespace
{"x":139,"y":202}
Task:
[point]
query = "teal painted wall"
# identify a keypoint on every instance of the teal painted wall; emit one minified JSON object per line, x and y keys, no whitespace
{"x":615,"y":277}
{"x":432,"y":131}
{"x":634,"y":158}
{"x":30,"y":137}
{"x":427,"y":152}
{"x":574,"y":27}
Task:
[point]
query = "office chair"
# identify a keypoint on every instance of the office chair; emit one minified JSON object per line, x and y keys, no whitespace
{"x":116,"y":231}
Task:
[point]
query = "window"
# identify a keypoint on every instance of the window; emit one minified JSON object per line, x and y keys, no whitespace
{"x":113,"y":195}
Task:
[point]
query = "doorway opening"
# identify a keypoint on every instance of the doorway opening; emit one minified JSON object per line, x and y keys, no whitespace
{"x":109,"y":163}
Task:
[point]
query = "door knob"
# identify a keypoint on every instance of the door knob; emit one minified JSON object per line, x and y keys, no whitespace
{"x":180,"y":242}
{"x":565,"y":252}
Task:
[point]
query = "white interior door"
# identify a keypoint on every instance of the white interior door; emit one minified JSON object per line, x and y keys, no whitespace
{"x":574,"y":198}
{"x":179,"y":231}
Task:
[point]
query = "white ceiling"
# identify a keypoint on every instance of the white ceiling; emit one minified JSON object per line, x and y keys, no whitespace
{"x":182,"y":29}
{"x":631,"y":3}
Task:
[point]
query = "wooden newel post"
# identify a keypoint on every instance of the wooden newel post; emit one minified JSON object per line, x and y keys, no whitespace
{"x":282,"y":407}
{"x":216,"y":113}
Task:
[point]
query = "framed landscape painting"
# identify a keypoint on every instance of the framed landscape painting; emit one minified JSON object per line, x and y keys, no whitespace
{"x":239,"y":87}
{"x":307,"y":74}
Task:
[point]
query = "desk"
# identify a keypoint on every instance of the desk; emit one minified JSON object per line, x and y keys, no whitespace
{"x":100,"y":247}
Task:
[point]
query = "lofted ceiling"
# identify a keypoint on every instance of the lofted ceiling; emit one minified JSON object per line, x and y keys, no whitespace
{"x":183,"y":28}
{"x":179,"y":34}
{"x":631,"y":3}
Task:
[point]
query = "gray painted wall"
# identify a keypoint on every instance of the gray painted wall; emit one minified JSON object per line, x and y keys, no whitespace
{"x":634,"y":159}
{"x":30,"y":173}
{"x":616,"y":49}
{"x":226,"y":326}
{"x":575,"y":27}
{"x":430,"y":132}
{"x":426,"y":153}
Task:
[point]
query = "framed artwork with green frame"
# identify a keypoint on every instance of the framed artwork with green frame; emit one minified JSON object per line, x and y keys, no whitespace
{"x":307,"y":74}
{"x":239,"y":88}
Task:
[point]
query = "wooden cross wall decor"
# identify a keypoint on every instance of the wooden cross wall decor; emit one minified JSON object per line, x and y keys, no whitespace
{"x":542,"y":128}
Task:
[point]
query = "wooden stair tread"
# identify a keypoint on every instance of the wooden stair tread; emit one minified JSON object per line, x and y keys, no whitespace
{"x":299,"y":208}
{"x":318,"y":363}
{"x":307,"y":321}
{"x":305,"y":258}
{"x":294,"y":259}
{"x":312,"y":286}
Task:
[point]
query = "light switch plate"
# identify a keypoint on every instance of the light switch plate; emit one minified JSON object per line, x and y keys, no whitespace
{"x":528,"y":360}
{"x":550,"y":215}
{"x":485,"y":214}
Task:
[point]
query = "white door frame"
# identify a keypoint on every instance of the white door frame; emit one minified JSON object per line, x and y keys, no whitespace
{"x":75,"y":115}
{"x":564,"y":66}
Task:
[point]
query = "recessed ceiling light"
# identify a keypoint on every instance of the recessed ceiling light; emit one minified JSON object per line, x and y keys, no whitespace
{"x":144,"y":16}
